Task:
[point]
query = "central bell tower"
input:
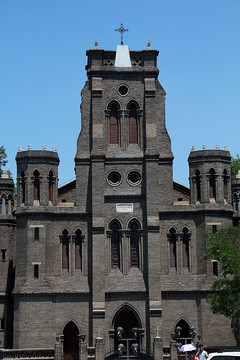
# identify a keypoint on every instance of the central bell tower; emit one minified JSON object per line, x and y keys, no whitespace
{"x":123,"y":125}
{"x":123,"y":170}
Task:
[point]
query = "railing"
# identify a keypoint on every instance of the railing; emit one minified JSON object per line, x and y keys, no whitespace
{"x":141,"y":355}
{"x":40,"y":354}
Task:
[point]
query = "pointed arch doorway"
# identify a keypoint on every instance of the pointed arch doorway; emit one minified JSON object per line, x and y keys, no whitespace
{"x":185,"y":336}
{"x":127,"y":319}
{"x":70,"y":342}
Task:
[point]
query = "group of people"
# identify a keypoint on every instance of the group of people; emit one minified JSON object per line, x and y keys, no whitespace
{"x":200,"y":355}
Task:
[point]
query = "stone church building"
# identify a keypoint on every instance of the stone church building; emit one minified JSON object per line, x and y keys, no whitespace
{"x":114,"y":257}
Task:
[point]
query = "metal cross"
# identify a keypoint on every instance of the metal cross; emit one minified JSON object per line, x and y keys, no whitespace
{"x":121,"y":30}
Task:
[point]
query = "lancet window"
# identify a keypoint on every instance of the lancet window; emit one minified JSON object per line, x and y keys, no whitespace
{"x":3,"y":204}
{"x":198,"y":185}
{"x":23,"y":187}
{"x":133,"y":124}
{"x":113,"y":124}
{"x":36,"y":185}
{"x":115,"y":245}
{"x":78,"y":249}
{"x":50,"y":186}
{"x":225,"y":182}
{"x":172,"y":237}
{"x":134,"y":244}
{"x":185,"y":238}
{"x":212,"y":184}
{"x":65,"y":249}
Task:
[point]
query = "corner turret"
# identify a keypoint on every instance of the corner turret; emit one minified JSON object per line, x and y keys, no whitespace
{"x":209,"y":176}
{"x":37,"y":177}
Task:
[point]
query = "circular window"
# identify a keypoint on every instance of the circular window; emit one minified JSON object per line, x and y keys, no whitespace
{"x":134,"y":177}
{"x":114,"y":178}
{"x":123,"y":90}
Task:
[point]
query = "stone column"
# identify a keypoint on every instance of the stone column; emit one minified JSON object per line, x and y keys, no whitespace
{"x":82,"y":349}
{"x":99,"y":349}
{"x":59,"y":347}
{"x":157,"y":348}
{"x":173,"y":351}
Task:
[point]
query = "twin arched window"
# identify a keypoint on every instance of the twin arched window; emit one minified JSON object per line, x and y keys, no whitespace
{"x":212,"y":181}
{"x":36,"y":186}
{"x":117,"y":248}
{"x":77,"y":241}
{"x":6,"y":204}
{"x":179,"y":255}
{"x":114,"y":123}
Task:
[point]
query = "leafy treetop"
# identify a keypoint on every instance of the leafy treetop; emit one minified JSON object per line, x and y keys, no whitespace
{"x":3,"y":160}
{"x":235,"y":166}
{"x":224,"y":295}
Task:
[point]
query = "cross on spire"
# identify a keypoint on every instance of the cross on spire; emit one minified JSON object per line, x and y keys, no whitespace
{"x":122,"y":31}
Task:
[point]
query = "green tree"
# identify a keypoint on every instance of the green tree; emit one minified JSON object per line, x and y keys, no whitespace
{"x":3,"y":157}
{"x":235,"y":166}
{"x":3,"y":160}
{"x":224,"y":295}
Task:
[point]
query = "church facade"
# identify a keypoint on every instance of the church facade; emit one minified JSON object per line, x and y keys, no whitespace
{"x":120,"y":247}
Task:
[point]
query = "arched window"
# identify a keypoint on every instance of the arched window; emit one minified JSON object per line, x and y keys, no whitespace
{"x":127,"y":319}
{"x":23,"y":188}
{"x":9,"y":207}
{"x":3,"y":200}
{"x":185,"y":337}
{"x":212,"y":184}
{"x":197,"y":174}
{"x":78,"y":249}
{"x":225,"y":184}
{"x":36,"y":185}
{"x":113,"y":124}
{"x":235,"y":202}
{"x":134,"y":244}
{"x":172,"y":237}
{"x":65,"y":249}
{"x":185,"y":237}
{"x":133,"y":125}
{"x":115,"y":246}
{"x":50,"y":186}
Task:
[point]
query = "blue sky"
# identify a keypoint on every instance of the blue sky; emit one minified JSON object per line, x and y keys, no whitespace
{"x":43,"y":47}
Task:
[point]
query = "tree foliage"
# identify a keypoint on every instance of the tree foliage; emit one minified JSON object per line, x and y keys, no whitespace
{"x":3,"y":157}
{"x":3,"y":160}
{"x":235,"y":166}
{"x":224,"y":295}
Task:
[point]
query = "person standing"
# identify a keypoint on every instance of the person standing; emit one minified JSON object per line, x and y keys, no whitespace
{"x":201,"y":354}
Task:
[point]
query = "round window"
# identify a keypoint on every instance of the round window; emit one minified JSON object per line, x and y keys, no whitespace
{"x":134,"y":177}
{"x":114,"y":178}
{"x":123,"y":90}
